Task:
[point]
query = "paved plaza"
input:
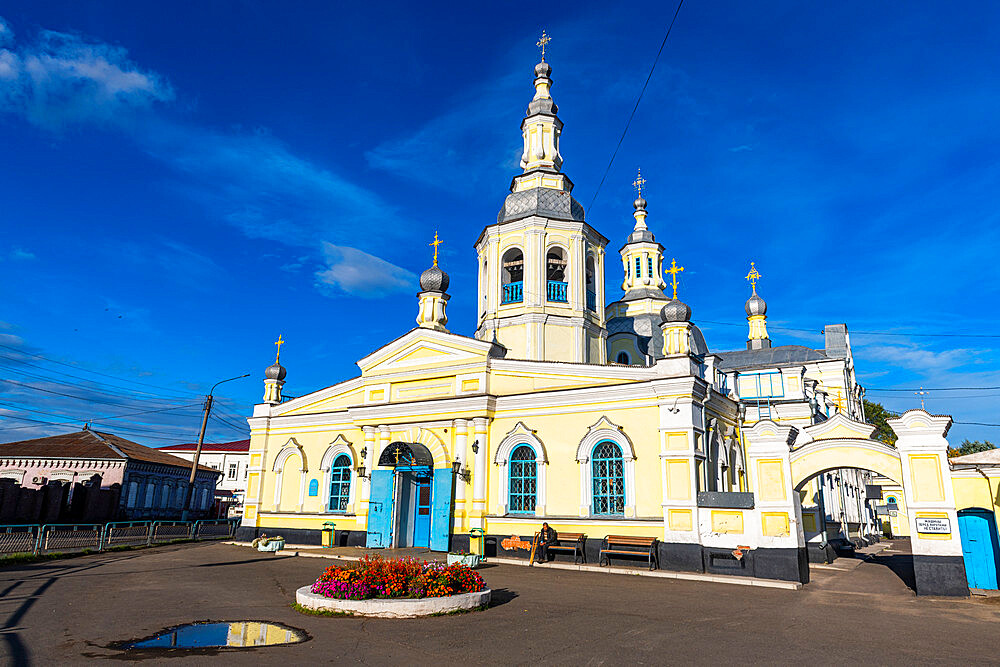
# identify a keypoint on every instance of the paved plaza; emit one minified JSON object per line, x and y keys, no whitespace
{"x":854,"y":611}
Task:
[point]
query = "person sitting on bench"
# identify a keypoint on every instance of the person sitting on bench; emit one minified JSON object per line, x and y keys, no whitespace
{"x":546,"y":537}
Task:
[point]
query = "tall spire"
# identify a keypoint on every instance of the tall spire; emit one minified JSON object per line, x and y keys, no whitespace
{"x":756,"y":309}
{"x":642,"y":256}
{"x":274,"y":377}
{"x":540,"y":133}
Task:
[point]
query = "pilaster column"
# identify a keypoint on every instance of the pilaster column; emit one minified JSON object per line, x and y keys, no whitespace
{"x":461,"y":428}
{"x":480,"y":436}
{"x":938,"y":566}
{"x":368,"y":463}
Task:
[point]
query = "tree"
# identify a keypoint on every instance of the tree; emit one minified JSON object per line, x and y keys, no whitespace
{"x":879,"y":417}
{"x":971,"y":447}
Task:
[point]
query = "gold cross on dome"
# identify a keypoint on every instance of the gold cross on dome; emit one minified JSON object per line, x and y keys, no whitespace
{"x":279,"y":343}
{"x":436,"y":243}
{"x":639,"y":182}
{"x":542,"y":43}
{"x":753,"y":277}
{"x":673,"y":271}
{"x":921,"y":394}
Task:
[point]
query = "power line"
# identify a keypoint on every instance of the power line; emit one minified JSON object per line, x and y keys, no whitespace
{"x":94,"y":387}
{"x":931,"y":389}
{"x":978,"y":424}
{"x":21,"y":362}
{"x":638,"y":99}
{"x":59,"y":393}
{"x":866,"y":333}
{"x":86,"y":370}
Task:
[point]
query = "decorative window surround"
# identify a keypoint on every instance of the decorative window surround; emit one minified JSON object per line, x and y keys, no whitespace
{"x":339,"y":446}
{"x":605,"y":429}
{"x":292,"y":447}
{"x":521,"y":435}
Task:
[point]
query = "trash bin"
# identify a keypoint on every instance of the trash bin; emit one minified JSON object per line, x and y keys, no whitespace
{"x":327,"y":533}
{"x":476,"y":536}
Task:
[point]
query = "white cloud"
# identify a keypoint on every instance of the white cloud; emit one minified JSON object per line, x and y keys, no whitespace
{"x":915,"y":358}
{"x":6,"y":34}
{"x":61,"y":79}
{"x":358,"y":273}
{"x":21,"y":253}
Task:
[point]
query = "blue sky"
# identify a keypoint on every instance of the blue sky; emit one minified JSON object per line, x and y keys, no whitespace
{"x":179,"y":187}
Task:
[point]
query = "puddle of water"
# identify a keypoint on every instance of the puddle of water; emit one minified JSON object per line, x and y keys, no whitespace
{"x":238,"y":634}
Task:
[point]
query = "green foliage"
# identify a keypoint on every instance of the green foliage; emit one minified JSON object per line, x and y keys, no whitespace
{"x":879,"y":417}
{"x":971,"y":447}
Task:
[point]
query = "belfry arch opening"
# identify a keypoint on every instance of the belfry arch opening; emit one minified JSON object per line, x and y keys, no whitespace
{"x":512,"y":276}
{"x":556,"y":272}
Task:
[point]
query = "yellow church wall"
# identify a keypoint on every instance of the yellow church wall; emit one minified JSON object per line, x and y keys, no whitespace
{"x":558,"y":340}
{"x":526,"y":527}
{"x":899,"y":524}
{"x":561,"y":435}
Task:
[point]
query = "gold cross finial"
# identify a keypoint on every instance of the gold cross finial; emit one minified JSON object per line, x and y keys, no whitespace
{"x":839,"y":402}
{"x":436,"y":243}
{"x":753,"y":277}
{"x":279,"y":343}
{"x":921,"y":394}
{"x":639,"y":182}
{"x":542,"y":43}
{"x":673,"y":271}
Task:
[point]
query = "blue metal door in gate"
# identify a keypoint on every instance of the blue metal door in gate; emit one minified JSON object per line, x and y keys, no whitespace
{"x":979,"y":547}
{"x":380,"y":510}
{"x":444,"y":487}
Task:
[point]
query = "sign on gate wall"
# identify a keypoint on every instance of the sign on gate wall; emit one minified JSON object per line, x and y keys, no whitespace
{"x":933,"y":525}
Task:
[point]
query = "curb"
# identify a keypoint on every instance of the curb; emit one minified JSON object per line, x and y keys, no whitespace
{"x":294,"y":550}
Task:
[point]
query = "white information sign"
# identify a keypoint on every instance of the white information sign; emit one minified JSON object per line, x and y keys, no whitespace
{"x":933,"y":525}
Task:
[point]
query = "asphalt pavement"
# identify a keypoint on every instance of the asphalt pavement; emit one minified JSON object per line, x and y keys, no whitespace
{"x":72,"y":611}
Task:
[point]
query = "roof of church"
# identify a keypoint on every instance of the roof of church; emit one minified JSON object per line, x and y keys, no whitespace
{"x":88,"y":444}
{"x":543,"y":202}
{"x":644,"y":293}
{"x":646,"y":328}
{"x":783,"y":355}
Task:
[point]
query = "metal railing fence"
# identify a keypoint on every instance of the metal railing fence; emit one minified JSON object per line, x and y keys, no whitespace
{"x":63,"y":537}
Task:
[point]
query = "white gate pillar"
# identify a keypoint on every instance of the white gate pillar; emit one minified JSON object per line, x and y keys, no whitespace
{"x":938,"y":567}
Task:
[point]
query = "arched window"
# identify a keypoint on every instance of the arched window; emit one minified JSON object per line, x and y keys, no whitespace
{"x":623,"y":358}
{"x":523,"y":480}
{"x":608,"y":477}
{"x":340,"y":483}
{"x":555,"y":273}
{"x":512,"y":276}
{"x":591,"y":278}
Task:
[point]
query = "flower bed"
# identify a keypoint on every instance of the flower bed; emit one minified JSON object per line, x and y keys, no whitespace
{"x":376,"y":577}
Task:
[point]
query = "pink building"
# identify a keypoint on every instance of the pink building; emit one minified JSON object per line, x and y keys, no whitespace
{"x":153,"y":483}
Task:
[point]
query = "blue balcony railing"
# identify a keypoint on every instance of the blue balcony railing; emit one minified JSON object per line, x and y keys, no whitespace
{"x":591,"y":301}
{"x":556,"y":291}
{"x":513,"y":292}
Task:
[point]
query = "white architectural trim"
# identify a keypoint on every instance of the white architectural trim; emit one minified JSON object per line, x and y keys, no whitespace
{"x":340,"y":446}
{"x":605,"y":429}
{"x":521,"y":435}
{"x":291,"y":447}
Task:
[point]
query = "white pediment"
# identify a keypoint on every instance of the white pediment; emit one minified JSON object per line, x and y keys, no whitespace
{"x":424,"y":348}
{"x":838,"y":427}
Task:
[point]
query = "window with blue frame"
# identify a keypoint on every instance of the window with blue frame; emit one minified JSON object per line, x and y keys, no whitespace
{"x":761,"y":385}
{"x":523,"y":480}
{"x":638,"y":267}
{"x":649,"y":261}
{"x":607,"y":473}
{"x":340,"y":483}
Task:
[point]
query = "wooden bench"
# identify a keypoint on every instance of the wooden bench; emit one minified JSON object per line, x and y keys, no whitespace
{"x":629,"y":545}
{"x":576,"y":543}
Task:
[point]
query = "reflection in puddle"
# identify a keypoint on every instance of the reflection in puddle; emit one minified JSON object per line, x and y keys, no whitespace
{"x":243,"y":634}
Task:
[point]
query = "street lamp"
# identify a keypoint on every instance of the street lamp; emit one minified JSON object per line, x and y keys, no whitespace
{"x":201,"y":440}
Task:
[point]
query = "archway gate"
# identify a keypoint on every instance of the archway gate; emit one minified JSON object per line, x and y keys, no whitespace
{"x":781,"y":459}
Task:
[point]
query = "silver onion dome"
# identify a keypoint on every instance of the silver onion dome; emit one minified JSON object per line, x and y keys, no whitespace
{"x":543,"y":69}
{"x":275,"y":372}
{"x":434,"y":280}
{"x":639,"y":203}
{"x":676,"y":311}
{"x":756,"y":306}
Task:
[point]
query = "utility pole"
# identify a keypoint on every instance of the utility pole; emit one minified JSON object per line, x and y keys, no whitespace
{"x":201,"y":440}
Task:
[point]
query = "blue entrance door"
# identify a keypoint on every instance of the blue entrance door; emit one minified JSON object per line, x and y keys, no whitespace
{"x":380,"y":510}
{"x":979,"y":547}
{"x":422,"y":513}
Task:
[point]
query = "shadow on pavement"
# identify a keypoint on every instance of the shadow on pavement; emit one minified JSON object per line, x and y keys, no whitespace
{"x":244,"y":562}
{"x":901,"y":565}
{"x":501,"y":596}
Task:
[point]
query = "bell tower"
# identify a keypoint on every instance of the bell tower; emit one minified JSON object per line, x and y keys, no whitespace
{"x":541,"y":266}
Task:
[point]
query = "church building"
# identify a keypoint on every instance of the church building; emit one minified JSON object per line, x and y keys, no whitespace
{"x":603,"y":418}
